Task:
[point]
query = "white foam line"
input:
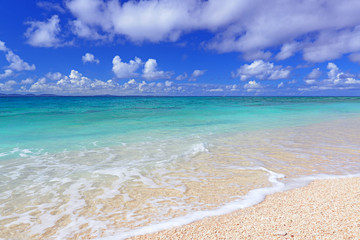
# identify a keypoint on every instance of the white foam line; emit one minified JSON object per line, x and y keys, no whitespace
{"x":252,"y":198}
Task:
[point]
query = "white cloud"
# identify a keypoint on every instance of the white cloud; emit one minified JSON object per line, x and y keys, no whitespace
{"x":54,"y":76}
{"x":156,"y":20}
{"x":257,"y":54}
{"x":261,"y":70}
{"x":125,"y":70}
{"x":336,"y":79}
{"x":2,"y":46}
{"x":260,"y":28}
{"x":196,"y":73}
{"x":287,"y":50}
{"x":216,"y":90}
{"x":252,"y":86}
{"x":16,"y":63}
{"x":168,"y":83}
{"x":150,"y":71}
{"x":233,"y":87}
{"x":7,"y":86}
{"x":143,"y":20}
{"x":91,"y":12}
{"x":128,"y":70}
{"x":280,"y":85}
{"x":313,"y":76}
{"x":326,"y":30}
{"x":182,"y":76}
{"x":88,"y":57}
{"x":44,"y":34}
{"x":82,"y":30}
{"x":355,"y":57}
{"x":74,"y":83}
{"x":27,"y":81}
{"x":332,"y":44}
{"x":49,"y":6}
{"x":310,"y":81}
{"x":7,"y":73}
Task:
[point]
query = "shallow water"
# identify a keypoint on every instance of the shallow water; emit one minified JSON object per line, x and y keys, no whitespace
{"x":90,"y":167}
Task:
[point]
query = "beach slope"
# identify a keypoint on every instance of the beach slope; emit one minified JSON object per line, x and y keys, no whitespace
{"x":325,"y":209}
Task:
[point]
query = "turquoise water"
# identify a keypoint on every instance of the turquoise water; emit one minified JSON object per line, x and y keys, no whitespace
{"x":123,"y":163}
{"x":58,"y":123}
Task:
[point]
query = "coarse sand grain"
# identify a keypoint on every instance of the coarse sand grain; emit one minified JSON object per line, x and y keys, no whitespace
{"x":325,"y":209}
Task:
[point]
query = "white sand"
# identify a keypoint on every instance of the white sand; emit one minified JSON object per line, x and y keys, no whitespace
{"x":326,"y":209}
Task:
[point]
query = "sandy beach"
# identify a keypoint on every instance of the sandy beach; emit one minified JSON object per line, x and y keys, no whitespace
{"x":325,"y":209}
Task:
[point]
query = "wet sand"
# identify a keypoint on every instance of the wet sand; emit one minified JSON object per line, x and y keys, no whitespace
{"x":325,"y":209}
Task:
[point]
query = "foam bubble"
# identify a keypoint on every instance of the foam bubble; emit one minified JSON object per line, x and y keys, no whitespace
{"x":251,"y":198}
{"x":86,"y":185}
{"x":198,"y":148}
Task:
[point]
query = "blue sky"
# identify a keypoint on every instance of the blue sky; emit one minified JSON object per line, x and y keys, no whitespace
{"x":189,"y":47}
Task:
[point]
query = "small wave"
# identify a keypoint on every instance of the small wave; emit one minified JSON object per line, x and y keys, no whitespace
{"x":252,"y":198}
{"x":198,"y":148}
{"x":21,"y":152}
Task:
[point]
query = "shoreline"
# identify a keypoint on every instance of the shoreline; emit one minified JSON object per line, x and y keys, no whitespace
{"x":324,"y":208}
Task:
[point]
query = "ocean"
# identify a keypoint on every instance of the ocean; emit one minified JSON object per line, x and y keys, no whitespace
{"x":115,"y":167}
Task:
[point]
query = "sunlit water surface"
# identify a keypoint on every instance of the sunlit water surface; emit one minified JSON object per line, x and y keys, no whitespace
{"x":91,"y":167}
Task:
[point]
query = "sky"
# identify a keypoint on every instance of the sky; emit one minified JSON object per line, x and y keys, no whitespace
{"x":180,"y":48}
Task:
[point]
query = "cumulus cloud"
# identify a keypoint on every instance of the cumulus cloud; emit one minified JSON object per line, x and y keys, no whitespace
{"x":150,"y":71}
{"x":77,"y":84}
{"x":313,"y":76}
{"x":7,"y":86}
{"x":15,"y":62}
{"x":74,"y":83}
{"x":196,"y":73}
{"x":7,"y":73}
{"x":252,"y":86}
{"x":309,"y":20}
{"x":129,"y":70}
{"x":90,"y":58}
{"x":310,"y":81}
{"x":168,"y":83}
{"x":27,"y":81}
{"x":244,"y":26}
{"x":125,"y":70}
{"x":44,"y":34}
{"x":82,"y":30}
{"x":54,"y":76}
{"x":261,"y":70}
{"x":336,"y":79}
{"x":143,"y":20}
